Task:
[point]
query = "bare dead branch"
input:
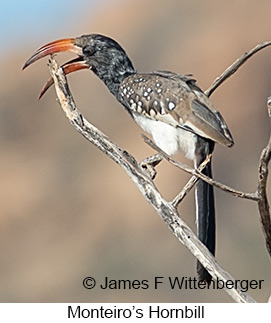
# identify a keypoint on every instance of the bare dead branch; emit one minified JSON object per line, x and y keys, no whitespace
{"x":234,"y":67}
{"x":263,"y":204}
{"x":143,"y":182}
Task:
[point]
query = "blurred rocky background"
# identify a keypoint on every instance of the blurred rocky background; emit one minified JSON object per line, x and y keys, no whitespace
{"x":67,"y":211}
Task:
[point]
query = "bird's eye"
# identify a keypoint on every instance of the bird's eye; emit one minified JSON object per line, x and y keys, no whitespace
{"x":89,"y":50}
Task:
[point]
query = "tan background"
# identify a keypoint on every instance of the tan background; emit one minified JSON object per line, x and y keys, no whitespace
{"x":68,"y":212}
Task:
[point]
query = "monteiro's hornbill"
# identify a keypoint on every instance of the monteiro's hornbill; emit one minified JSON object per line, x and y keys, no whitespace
{"x":169,"y":106}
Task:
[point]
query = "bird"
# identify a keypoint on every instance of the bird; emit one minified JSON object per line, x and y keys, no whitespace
{"x":167,"y":105}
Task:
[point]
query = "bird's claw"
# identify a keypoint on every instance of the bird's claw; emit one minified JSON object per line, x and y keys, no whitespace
{"x":150,"y":163}
{"x":150,"y":169}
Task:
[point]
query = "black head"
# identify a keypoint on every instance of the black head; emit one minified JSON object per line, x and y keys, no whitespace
{"x":107,"y":58}
{"x":101,"y":50}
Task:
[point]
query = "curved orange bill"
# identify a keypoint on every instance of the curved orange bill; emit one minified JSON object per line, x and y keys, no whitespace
{"x":62,"y":45}
{"x":69,"y":67}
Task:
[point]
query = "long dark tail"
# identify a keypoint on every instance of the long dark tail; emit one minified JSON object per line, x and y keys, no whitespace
{"x":205,"y":205}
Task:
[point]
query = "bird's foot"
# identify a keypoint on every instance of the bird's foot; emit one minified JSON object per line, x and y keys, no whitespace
{"x":150,"y":163}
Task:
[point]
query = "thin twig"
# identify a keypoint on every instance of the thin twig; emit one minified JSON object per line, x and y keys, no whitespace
{"x":190,"y":184}
{"x":194,"y":172}
{"x":143,"y":182}
{"x":234,"y":67}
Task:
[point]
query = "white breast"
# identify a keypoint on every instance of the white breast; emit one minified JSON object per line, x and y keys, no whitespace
{"x":167,"y":137}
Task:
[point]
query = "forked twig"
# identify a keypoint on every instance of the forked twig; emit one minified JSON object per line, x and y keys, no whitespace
{"x":190,"y":184}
